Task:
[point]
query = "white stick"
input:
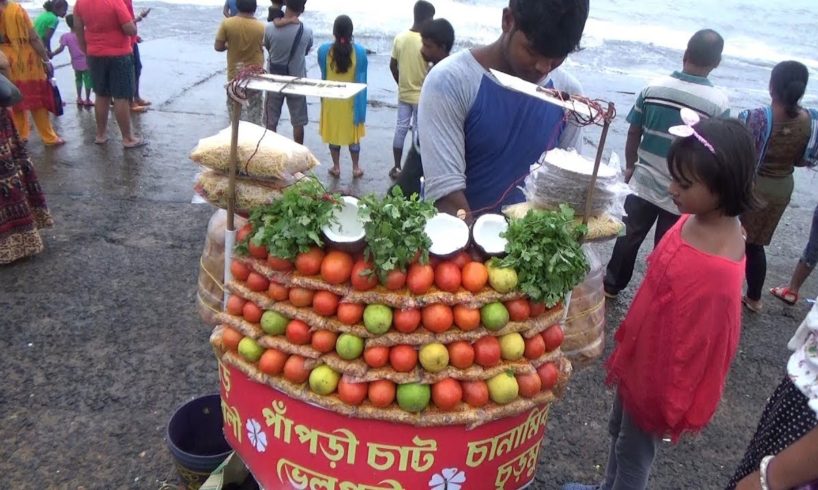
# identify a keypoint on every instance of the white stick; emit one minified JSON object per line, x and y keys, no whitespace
{"x":229,"y":242}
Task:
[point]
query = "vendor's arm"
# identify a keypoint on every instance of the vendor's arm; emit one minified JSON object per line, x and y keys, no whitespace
{"x":441,"y":121}
{"x":793,"y":467}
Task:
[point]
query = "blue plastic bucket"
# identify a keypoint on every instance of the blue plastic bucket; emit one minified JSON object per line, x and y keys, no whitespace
{"x":196,"y":440}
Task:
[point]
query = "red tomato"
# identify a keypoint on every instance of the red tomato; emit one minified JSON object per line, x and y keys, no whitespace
{"x":461,"y":354}
{"x":466,"y":318}
{"x":235,"y":305}
{"x":363,"y":276}
{"x":257,"y":251}
{"x":420,"y":278}
{"x":309,"y":263}
{"x":298,"y":332}
{"x":548,"y":374}
{"x":376,"y":357}
{"x":336,"y":267}
{"x":406,"y":321}
{"x":475,"y":393}
{"x":295,"y":370}
{"x":272,"y":362}
{"x":251,"y":312}
{"x":350,"y":313}
{"x":381,"y":393}
{"x":447,"y":277}
{"x":301,"y":297}
{"x":279,"y":265}
{"x":256,"y":282}
{"x":518,"y":310}
{"x":534,"y":347}
{"x":231,"y":338}
{"x":239,"y":271}
{"x":437,"y":317}
{"x":324,"y":341}
{"x":487,"y":351}
{"x":243,"y":232}
{"x":447,"y":394}
{"x":530,"y":384}
{"x":537,"y":309}
{"x":278,"y":292}
{"x":462,"y":258}
{"x":325,"y":303}
{"x":403,"y":358}
{"x":352,"y":393}
{"x":395,"y":280}
{"x":553,"y":338}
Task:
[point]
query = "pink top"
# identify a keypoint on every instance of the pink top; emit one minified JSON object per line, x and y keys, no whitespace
{"x":78,"y":61}
{"x":676,"y":344}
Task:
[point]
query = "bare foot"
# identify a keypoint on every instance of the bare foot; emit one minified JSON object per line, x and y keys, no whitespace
{"x":357,"y":173}
{"x":335,"y":172}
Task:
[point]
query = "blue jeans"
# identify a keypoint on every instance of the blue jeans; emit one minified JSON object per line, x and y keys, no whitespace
{"x":810,"y":256}
{"x":631,"y":454}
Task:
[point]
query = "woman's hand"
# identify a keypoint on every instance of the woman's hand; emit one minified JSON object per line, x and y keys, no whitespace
{"x":49,"y":69}
{"x":5,"y":66}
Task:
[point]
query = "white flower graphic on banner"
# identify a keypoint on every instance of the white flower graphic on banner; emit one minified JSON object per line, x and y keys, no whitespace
{"x":449,"y":479}
{"x":257,"y":436}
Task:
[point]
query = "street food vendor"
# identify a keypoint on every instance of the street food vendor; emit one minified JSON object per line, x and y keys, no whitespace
{"x":480,"y":138}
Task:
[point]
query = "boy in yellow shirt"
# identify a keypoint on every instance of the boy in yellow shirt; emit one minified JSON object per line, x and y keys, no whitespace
{"x":409,"y":70}
{"x":242,"y":36}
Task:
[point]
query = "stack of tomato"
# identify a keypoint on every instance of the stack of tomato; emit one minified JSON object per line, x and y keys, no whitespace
{"x":476,"y":353}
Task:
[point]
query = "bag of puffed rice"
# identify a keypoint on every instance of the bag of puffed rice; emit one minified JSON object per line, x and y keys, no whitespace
{"x":277,"y":157}
{"x":250,"y":194}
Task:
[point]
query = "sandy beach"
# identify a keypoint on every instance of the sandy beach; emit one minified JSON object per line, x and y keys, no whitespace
{"x":100,"y":332}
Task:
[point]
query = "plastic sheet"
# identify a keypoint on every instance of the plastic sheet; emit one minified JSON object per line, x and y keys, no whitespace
{"x":210,"y":294}
{"x":564,"y":176}
{"x":585,"y":324}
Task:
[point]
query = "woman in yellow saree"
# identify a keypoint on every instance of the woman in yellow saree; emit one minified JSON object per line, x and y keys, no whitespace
{"x":30,"y":71}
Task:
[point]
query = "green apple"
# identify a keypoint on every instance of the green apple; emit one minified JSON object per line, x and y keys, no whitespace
{"x":512,"y":346}
{"x":503,"y":388}
{"x":434,"y":357}
{"x":494,"y":316}
{"x":377,"y":319}
{"x":250,"y":350}
{"x":414,"y":397}
{"x":349,"y":346}
{"x":274,"y":323}
{"x":324,"y":380}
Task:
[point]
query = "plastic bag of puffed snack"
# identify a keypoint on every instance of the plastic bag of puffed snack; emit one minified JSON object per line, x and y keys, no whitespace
{"x":210,"y":294}
{"x":584,"y":325}
{"x":213,"y":187}
{"x":262,"y":153}
{"x":564,"y":177}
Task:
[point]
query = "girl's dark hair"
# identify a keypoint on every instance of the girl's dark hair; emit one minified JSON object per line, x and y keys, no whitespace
{"x":788,"y":83}
{"x":69,"y":19}
{"x":48,"y":6}
{"x":730,"y":173}
{"x":342,"y":48}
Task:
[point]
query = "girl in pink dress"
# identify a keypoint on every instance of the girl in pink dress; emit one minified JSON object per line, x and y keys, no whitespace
{"x":675,"y":346}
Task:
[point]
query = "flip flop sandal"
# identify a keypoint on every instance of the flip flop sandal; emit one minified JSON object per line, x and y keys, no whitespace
{"x":138,"y":144}
{"x":357,"y":174}
{"x":393,"y":174}
{"x":334,"y":172}
{"x":784,"y":294}
{"x":749,"y":305}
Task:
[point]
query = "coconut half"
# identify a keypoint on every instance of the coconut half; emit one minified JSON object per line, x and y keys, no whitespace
{"x":346,"y":230}
{"x":449,"y":235}
{"x":486,"y":231}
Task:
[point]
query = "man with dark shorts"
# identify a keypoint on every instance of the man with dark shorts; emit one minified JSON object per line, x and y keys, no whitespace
{"x":104,"y":29}
{"x":288,"y":46}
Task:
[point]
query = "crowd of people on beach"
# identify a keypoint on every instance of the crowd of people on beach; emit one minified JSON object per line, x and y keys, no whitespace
{"x":713,"y":187}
